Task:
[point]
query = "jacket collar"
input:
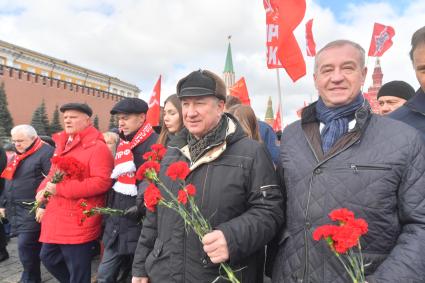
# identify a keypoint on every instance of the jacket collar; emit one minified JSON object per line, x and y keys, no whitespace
{"x":362,"y":115}
{"x":85,"y":138}
{"x":417,"y":102}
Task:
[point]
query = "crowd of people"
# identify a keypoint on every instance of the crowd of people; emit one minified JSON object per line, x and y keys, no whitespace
{"x":263,"y":200}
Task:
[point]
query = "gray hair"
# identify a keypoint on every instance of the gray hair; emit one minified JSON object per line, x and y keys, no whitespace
{"x":27,"y":130}
{"x":339,"y":43}
{"x":418,"y":38}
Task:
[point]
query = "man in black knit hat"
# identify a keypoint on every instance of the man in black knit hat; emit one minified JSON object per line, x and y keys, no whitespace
{"x":393,"y":95}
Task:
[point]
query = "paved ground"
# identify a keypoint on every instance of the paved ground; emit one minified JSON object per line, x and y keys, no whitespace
{"x":10,"y":270}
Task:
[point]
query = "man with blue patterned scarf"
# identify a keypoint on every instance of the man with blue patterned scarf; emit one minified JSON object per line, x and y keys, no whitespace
{"x":340,"y":155}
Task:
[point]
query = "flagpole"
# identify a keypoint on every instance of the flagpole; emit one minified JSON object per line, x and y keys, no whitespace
{"x":280,"y":97}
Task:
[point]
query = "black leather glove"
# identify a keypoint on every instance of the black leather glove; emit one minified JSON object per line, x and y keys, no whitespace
{"x":133,"y":213}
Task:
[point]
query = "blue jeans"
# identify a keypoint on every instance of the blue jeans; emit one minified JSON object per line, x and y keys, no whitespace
{"x":29,"y":254}
{"x":68,"y":263}
{"x":111,"y":264}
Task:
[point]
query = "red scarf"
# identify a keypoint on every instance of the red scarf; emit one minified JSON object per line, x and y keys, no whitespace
{"x":124,"y":167}
{"x":9,"y":171}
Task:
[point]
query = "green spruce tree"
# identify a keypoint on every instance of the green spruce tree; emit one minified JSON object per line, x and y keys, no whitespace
{"x":44,"y":118}
{"x":37,"y":121}
{"x":96,"y":122}
{"x":112,"y":122}
{"x":6,"y":121}
{"x":55,"y":126}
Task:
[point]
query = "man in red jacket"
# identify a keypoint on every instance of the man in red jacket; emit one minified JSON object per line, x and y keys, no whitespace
{"x":67,"y":241}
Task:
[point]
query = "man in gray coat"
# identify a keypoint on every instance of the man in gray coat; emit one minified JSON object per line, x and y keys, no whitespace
{"x":341,"y":155}
{"x":237,"y":192}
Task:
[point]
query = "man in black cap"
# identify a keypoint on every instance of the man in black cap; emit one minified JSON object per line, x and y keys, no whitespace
{"x":393,"y":95}
{"x":122,"y":232}
{"x":237,"y":192}
{"x":67,"y":240}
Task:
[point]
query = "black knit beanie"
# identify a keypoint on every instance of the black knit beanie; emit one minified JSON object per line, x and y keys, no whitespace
{"x":398,"y":89}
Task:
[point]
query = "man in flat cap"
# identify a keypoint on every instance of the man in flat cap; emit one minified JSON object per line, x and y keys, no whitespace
{"x":393,"y":95}
{"x":122,"y":232}
{"x":237,"y":192}
{"x":67,"y":241}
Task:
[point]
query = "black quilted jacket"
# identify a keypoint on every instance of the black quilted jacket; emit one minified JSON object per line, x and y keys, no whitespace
{"x":377,"y":171}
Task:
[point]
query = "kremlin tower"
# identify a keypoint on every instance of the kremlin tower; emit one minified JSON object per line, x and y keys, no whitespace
{"x":372,"y":92}
{"x":229,"y":73}
{"x":269,"y":118}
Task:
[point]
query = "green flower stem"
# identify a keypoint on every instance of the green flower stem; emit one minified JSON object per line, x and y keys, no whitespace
{"x":104,"y":210}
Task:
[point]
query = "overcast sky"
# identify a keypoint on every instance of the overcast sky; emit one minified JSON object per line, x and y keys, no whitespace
{"x":137,"y":41}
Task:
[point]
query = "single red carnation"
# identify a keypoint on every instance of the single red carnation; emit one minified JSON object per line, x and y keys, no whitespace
{"x":152,"y":196}
{"x":150,"y":155}
{"x":191,"y":190}
{"x":342,"y":214}
{"x":148,"y":170}
{"x":182,"y":196}
{"x":345,"y":237}
{"x":157,"y":147}
{"x":178,"y":170}
{"x":324,"y":231}
{"x":359,"y":224}
{"x":159,"y":151}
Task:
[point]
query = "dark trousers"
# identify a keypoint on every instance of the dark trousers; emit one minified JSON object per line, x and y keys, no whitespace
{"x":29,"y":254}
{"x":3,"y":239}
{"x":68,"y":263}
{"x":114,"y":267}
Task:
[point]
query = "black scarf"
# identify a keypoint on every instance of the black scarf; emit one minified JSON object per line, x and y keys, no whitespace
{"x":197,"y":148}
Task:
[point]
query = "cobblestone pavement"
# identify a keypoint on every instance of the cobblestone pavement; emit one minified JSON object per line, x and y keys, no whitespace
{"x":10,"y":270}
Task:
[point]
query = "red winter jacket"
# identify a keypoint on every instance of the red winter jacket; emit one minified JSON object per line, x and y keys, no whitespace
{"x":60,"y":223}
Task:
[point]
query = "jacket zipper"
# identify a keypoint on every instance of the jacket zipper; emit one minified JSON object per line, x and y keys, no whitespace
{"x":306,"y":274}
{"x":356,"y":168}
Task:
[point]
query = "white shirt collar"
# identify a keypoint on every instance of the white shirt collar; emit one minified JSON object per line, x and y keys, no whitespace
{"x":351,"y":125}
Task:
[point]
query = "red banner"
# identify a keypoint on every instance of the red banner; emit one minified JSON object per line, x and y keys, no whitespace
{"x":282,"y":17}
{"x":309,"y":39}
{"x":381,"y":40}
{"x":272,"y":25}
{"x":154,"y":107}
{"x":240,"y":91}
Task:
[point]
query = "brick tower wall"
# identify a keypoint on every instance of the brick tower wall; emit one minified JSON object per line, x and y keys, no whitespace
{"x":25,"y":92}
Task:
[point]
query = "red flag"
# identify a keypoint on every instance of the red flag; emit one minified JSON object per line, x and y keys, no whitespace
{"x":272,"y":25}
{"x":282,"y":17}
{"x":381,"y":40}
{"x":277,"y":123}
{"x":240,"y":91}
{"x":310,"y":44}
{"x":154,"y":108}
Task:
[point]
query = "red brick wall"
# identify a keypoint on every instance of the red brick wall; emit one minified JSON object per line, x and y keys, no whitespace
{"x":25,"y":92}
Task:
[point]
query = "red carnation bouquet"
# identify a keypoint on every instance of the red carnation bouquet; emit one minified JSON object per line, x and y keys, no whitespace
{"x":184,"y":203}
{"x":66,"y":168}
{"x":344,"y":241}
{"x":88,"y":211}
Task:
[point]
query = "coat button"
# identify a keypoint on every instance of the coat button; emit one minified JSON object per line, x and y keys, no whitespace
{"x":317,"y":171}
